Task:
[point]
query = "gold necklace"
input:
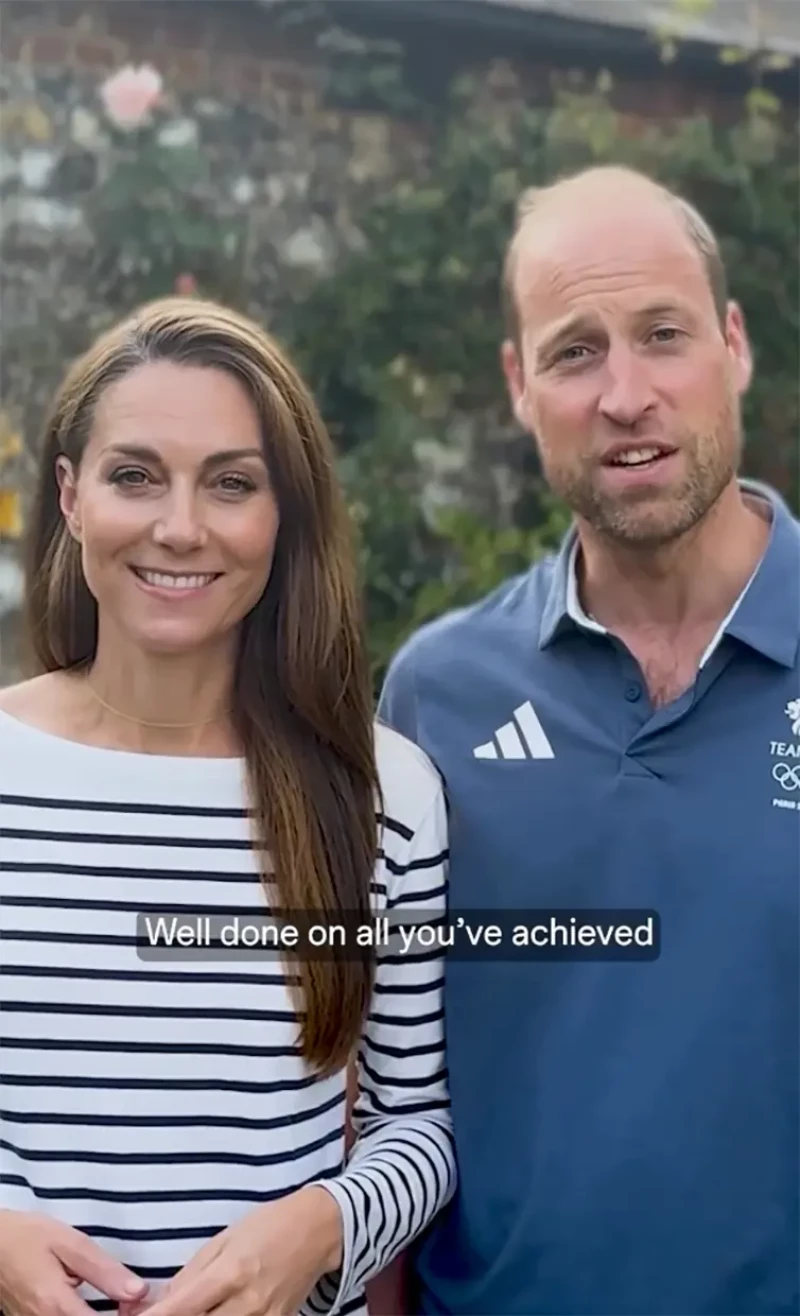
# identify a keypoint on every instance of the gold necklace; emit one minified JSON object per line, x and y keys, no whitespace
{"x":161,"y":726}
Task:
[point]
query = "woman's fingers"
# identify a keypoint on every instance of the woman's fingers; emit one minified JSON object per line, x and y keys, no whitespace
{"x":81,"y":1256}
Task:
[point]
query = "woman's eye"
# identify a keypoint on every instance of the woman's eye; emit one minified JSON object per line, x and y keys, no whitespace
{"x":130,"y":477}
{"x":236,"y":484}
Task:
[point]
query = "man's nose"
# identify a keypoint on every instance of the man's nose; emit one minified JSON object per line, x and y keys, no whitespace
{"x":181,"y":526}
{"x":627,"y":394}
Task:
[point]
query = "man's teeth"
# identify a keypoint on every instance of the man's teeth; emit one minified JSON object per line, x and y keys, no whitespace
{"x":637,"y":456}
{"x":174,"y":582}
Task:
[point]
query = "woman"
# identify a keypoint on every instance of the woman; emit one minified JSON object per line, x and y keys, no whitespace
{"x":199,"y":741}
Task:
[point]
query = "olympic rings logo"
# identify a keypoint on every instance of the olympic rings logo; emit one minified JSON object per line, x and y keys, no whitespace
{"x":787,"y":775}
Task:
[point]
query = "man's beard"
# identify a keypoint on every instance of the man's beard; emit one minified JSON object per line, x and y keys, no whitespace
{"x":658,"y":516}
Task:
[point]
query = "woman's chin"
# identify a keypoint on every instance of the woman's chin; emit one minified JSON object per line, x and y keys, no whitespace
{"x":173,"y":638}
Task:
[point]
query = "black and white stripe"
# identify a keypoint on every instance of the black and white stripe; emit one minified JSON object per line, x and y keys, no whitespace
{"x":152,"y":1104}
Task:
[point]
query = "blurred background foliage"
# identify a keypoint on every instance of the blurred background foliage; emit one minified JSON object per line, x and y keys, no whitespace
{"x":400,"y":340}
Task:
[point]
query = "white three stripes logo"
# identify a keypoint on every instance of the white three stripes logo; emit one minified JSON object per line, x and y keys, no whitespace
{"x":520,"y":739}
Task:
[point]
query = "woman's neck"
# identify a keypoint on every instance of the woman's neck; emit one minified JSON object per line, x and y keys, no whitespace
{"x":162,"y":704}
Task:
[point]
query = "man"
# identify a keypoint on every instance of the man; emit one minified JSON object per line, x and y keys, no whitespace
{"x":619,"y":729}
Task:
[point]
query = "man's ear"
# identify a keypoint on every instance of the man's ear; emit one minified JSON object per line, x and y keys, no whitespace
{"x":739,"y":346}
{"x":68,"y":496}
{"x":514,"y":372}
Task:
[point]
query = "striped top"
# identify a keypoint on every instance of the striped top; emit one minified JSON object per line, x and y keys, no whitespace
{"x":151,"y":1102}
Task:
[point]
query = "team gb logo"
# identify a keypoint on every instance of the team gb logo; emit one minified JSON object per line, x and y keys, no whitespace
{"x":793,"y":713}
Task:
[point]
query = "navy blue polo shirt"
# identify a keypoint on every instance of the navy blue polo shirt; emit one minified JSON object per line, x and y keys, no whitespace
{"x":627,"y":1132}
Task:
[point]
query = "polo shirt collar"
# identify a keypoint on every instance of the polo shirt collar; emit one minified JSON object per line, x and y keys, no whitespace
{"x":766,"y":616}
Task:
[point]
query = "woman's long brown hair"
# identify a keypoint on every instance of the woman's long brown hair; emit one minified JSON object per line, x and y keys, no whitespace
{"x":303,"y":706}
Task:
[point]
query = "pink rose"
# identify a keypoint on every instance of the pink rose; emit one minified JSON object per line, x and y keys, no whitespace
{"x":130,"y":94}
{"x":186,"y":285}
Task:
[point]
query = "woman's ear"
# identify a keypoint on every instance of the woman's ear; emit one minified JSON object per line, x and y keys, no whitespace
{"x":68,"y":495}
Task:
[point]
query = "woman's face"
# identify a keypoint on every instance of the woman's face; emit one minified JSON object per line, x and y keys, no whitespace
{"x":173,"y":507}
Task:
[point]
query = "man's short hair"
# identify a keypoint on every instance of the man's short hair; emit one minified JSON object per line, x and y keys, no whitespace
{"x":698,"y":230}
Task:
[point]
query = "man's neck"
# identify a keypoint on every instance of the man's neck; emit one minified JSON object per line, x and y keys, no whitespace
{"x":680,"y":588}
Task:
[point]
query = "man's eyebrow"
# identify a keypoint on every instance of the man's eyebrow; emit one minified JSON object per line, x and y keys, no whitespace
{"x":655,"y":310}
{"x":572,"y":326}
{"x":142,"y":452}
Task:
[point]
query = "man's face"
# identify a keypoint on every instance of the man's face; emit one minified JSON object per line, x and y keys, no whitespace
{"x":623,"y":372}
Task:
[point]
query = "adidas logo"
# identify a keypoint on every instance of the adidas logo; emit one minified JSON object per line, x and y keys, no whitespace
{"x":521,"y":739}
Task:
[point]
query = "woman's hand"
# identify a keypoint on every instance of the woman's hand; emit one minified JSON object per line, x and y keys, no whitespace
{"x":42,"y":1262}
{"x":265,"y":1265}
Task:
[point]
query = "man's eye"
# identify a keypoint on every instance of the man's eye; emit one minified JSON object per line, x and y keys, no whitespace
{"x":671,"y":334}
{"x":565,"y":355}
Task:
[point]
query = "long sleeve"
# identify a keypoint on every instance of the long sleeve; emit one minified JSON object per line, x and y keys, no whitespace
{"x":401,"y":1170}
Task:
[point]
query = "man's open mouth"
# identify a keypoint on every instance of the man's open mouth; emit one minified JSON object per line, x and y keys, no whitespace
{"x":639,"y":458}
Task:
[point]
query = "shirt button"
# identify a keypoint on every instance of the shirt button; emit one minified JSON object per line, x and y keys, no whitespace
{"x":633,"y":692}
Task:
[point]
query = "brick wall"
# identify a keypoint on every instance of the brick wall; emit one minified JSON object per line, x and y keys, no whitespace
{"x":218,"y":48}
